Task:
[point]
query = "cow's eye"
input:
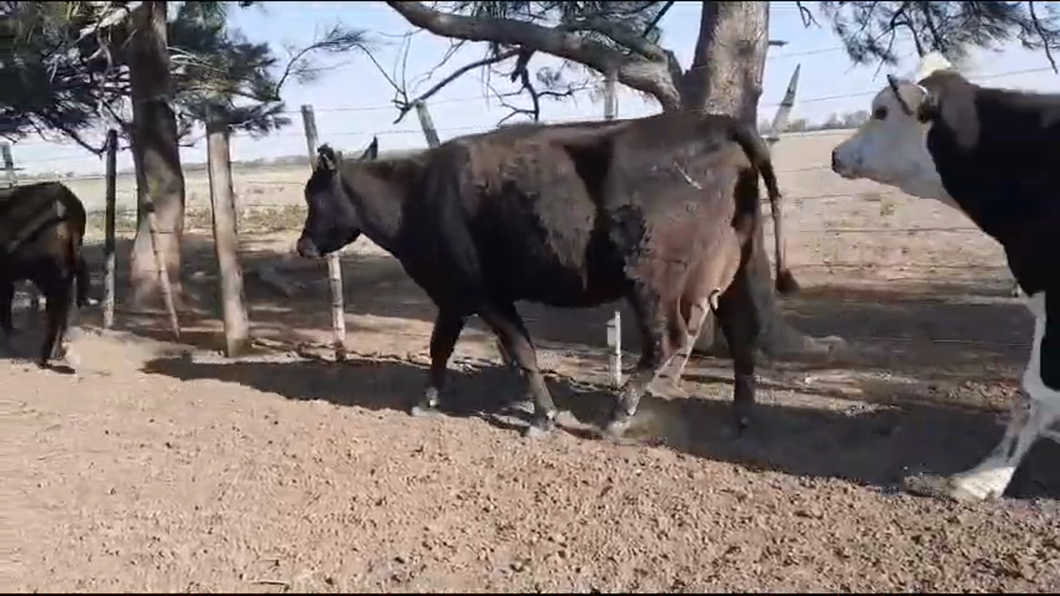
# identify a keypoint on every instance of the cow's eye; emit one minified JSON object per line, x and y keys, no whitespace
{"x":880,"y":113}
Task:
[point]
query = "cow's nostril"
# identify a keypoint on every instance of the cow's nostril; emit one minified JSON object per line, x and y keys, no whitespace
{"x":306,"y":248}
{"x":835,"y":160}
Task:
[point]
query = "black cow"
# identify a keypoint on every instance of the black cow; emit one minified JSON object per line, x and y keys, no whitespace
{"x":662,"y":211}
{"x":995,"y":155}
{"x":41,"y":229}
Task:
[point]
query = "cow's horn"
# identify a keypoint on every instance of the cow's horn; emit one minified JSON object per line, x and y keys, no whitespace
{"x":893,"y":82}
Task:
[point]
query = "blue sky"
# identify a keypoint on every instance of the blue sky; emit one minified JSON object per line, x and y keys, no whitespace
{"x":352,"y":100}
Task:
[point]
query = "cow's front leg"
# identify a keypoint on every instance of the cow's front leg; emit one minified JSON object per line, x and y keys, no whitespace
{"x":447,"y":328}
{"x":505,"y":321}
{"x":1037,"y":409}
{"x":988,"y":480}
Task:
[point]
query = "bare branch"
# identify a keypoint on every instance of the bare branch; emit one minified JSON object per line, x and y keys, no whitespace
{"x":386,"y":75}
{"x":513,"y":110}
{"x":658,"y":17}
{"x":405,"y":60}
{"x":454,"y":46}
{"x":1041,"y":33}
{"x":620,"y":34}
{"x":648,"y":75}
{"x":535,"y":96}
{"x":337,"y":40}
{"x":405,"y":105}
{"x":57,"y":124}
{"x":806,"y":16}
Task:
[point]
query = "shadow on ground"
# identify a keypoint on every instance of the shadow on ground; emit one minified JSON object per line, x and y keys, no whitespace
{"x":908,"y":326}
{"x":866,"y":443}
{"x":936,"y":340}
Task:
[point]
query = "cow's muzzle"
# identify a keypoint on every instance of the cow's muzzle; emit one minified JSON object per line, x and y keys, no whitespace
{"x":836,"y":166}
{"x":841,"y":167}
{"x":306,"y":248}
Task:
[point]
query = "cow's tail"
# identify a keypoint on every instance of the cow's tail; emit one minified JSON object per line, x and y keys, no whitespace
{"x":754,"y":146}
{"x":83,"y":281}
{"x":80,"y":277}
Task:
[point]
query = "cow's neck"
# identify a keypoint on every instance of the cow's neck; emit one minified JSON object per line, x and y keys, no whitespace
{"x":977,"y":158}
{"x":380,"y":211}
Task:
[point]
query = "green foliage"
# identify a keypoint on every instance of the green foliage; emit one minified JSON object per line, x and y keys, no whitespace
{"x":52,"y":77}
{"x":602,"y":22}
{"x":46,"y":82}
{"x":870,"y":29}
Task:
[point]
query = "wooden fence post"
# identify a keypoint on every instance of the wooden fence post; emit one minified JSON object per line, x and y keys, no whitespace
{"x":108,"y":228}
{"x":614,"y":326}
{"x":9,"y":164}
{"x":427,"y":125}
{"x":338,"y":314}
{"x":163,"y":271}
{"x":225,"y":236}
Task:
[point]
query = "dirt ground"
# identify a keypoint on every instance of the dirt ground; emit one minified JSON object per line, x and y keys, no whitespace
{"x":159,"y":466}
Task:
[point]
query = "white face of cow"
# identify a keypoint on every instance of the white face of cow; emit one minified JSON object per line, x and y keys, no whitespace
{"x":891,"y":147}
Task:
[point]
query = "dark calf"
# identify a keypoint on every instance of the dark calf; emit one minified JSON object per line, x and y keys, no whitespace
{"x":41,"y":231}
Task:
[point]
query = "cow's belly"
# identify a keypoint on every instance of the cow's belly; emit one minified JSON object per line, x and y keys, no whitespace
{"x":554,"y":282}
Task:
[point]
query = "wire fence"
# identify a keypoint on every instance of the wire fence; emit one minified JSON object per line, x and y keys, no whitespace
{"x":269,"y":199}
{"x":294,"y":130}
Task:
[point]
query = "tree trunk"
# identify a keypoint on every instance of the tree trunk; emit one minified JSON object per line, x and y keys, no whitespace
{"x":160,"y":180}
{"x":726,"y":77}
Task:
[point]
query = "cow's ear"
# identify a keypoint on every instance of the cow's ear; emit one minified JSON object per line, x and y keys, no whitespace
{"x":327,"y":160}
{"x":372,"y":152}
{"x":929,"y":108}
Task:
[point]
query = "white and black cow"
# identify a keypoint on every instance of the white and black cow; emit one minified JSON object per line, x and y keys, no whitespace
{"x":995,"y":155}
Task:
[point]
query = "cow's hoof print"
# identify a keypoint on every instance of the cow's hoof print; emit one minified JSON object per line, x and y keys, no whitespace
{"x":616,"y":428}
{"x":944,"y":487}
{"x":423,"y":411}
{"x":540,"y":428}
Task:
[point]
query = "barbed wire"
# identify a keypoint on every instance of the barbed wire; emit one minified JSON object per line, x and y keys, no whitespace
{"x":483,"y":128}
{"x":129,"y":212}
{"x":390,"y":106}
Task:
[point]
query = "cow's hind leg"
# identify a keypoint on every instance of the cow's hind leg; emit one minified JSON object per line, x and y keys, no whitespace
{"x":7,"y":297}
{"x":697,"y":315}
{"x":59,"y":296}
{"x":1031,"y":417}
{"x":447,"y":327}
{"x":738,"y":317}
{"x":510,"y":329}
{"x":655,"y":358}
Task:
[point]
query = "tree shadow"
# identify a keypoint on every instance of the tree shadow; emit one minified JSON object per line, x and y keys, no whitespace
{"x":24,"y":344}
{"x":912,"y":327}
{"x":927,"y":369}
{"x":870,"y":443}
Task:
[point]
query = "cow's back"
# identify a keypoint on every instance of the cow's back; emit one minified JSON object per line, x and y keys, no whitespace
{"x":509,"y":215}
{"x":25,"y":209}
{"x":673,"y":179}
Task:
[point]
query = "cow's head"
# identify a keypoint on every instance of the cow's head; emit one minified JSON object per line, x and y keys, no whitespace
{"x":331,"y":221}
{"x":891,"y":147}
